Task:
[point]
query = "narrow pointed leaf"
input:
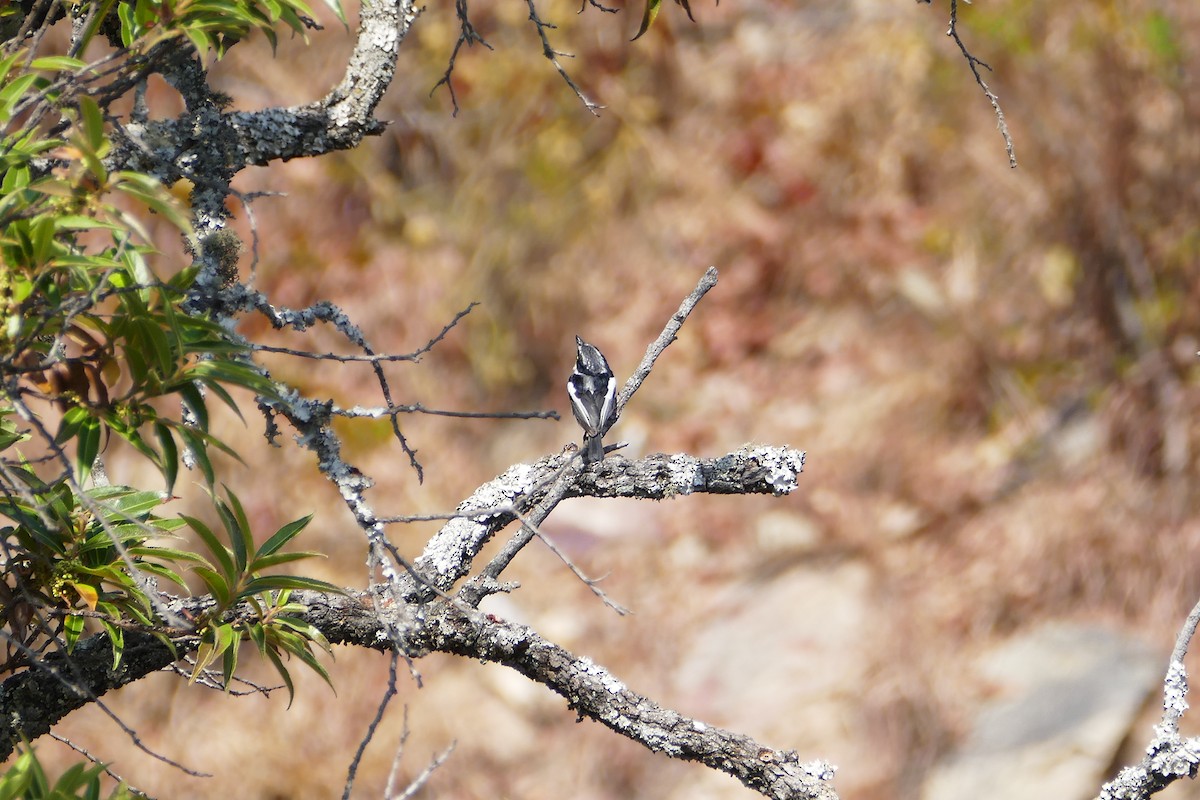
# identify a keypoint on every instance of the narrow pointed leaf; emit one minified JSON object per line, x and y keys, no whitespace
{"x":283,"y":535}
{"x":170,"y":454}
{"x":283,"y":673}
{"x":72,"y":628}
{"x":648,"y":17}
{"x":216,"y":584}
{"x":219,"y":551}
{"x":274,"y":582}
{"x":88,"y":446}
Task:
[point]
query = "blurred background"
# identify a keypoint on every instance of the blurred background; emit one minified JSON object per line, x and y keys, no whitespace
{"x":993,"y":372}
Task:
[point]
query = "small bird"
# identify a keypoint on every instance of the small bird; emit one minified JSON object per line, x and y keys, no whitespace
{"x":593,"y":391}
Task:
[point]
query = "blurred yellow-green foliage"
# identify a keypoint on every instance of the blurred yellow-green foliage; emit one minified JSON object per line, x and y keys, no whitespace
{"x":994,"y":372}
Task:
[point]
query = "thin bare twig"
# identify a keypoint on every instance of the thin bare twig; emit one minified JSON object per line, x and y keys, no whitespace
{"x":388,"y":694}
{"x":417,"y":783}
{"x":552,"y":54}
{"x":668,"y":335}
{"x":247,"y":200}
{"x":358,"y":412}
{"x":974,"y":63}
{"x":212,"y":679}
{"x":484,"y":512}
{"x":468,"y":35}
{"x":596,"y":4}
{"x":375,"y":358}
{"x":103,"y":765}
{"x":590,"y":583}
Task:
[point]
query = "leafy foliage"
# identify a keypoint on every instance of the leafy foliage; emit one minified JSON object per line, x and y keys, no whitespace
{"x":214,"y":25}
{"x":27,"y":779}
{"x":88,"y":553}
{"x":97,"y":346}
{"x":651,"y":13}
{"x":235,"y":579}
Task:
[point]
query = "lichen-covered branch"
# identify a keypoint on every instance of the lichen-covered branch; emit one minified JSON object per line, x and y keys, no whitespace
{"x":751,"y":470}
{"x":33,"y":701}
{"x":446,"y":627}
{"x":1169,"y":757}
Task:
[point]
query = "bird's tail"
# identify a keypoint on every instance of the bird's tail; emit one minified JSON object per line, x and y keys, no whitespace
{"x":593,"y":449}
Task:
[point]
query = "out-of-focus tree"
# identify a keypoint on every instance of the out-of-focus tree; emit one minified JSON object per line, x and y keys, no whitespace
{"x":105,"y":344}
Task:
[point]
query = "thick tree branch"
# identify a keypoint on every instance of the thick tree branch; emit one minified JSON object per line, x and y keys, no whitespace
{"x":338,"y":121}
{"x":33,"y":701}
{"x":751,"y":470}
{"x":445,"y":627}
{"x":593,"y":692}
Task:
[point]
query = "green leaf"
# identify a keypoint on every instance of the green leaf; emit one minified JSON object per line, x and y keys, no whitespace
{"x":235,"y":373}
{"x":305,"y":630}
{"x":96,"y":16}
{"x":196,"y":444}
{"x":315,"y":665}
{"x":149,"y":336}
{"x":129,"y":28}
{"x":170,"y":454}
{"x":77,"y":222}
{"x":155,"y":196}
{"x":117,"y":637}
{"x":18,"y":781}
{"x":220,"y":392}
{"x":219,"y":551}
{"x":199,"y":39}
{"x":12,"y":94}
{"x":216,"y":640}
{"x":72,"y":628}
{"x":274,"y":582}
{"x":194,"y":400}
{"x":336,"y":6}
{"x":93,"y":123}
{"x":88,"y":447}
{"x":42,"y":238}
{"x":239,"y":533}
{"x":267,"y":562}
{"x":168,"y":554}
{"x":69,"y":426}
{"x":217,"y":585}
{"x":255,"y":633}
{"x":102,"y":540}
{"x":273,"y":657}
{"x":160,"y":571}
{"x":651,"y":13}
{"x":229,"y":666}
{"x":57,"y":63}
{"x":648,"y":17}
{"x":136,"y":504}
{"x":132,"y":435}
{"x":6,"y":64}
{"x":283,"y":536}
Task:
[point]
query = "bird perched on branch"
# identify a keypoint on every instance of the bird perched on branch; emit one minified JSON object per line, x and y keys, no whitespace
{"x":592,"y":388}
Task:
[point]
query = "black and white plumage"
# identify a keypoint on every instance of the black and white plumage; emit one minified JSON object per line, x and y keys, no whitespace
{"x":592,"y":388}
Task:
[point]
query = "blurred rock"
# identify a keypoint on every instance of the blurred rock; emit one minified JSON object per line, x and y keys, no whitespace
{"x":785,"y":533}
{"x":1066,"y":696}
